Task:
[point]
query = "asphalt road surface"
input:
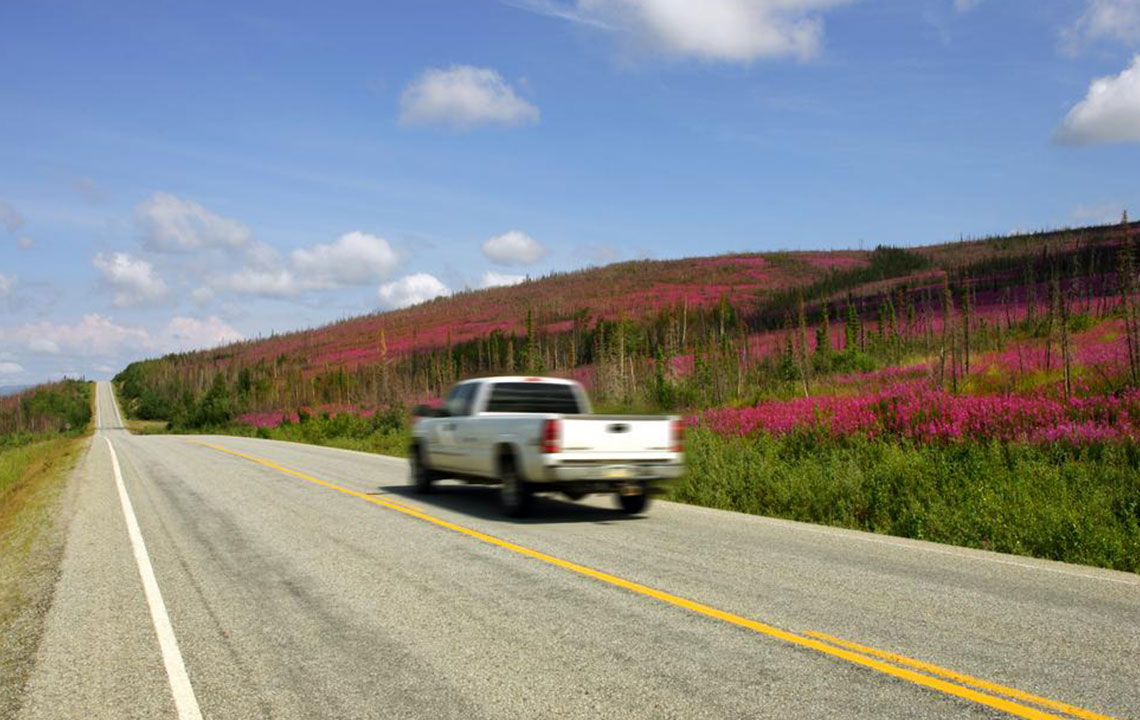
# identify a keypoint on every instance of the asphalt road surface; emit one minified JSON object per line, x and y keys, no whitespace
{"x":223,"y":577}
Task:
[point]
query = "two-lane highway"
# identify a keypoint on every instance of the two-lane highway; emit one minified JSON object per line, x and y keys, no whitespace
{"x":269,"y":579}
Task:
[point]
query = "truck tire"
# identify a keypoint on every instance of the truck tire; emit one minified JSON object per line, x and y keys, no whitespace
{"x":516,"y":493}
{"x":633,"y":504}
{"x":422,"y":475}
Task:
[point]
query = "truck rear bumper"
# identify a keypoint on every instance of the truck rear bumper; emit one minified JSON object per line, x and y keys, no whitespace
{"x":616,"y":475}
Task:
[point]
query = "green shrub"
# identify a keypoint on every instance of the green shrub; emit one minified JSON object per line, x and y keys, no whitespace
{"x":1055,"y":502}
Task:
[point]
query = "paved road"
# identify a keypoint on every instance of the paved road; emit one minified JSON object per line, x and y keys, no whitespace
{"x":304,"y":582}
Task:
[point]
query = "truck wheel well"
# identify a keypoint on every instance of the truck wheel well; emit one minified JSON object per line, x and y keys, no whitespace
{"x":504,"y":454}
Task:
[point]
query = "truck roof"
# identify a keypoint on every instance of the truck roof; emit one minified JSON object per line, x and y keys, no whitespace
{"x":523,"y":378}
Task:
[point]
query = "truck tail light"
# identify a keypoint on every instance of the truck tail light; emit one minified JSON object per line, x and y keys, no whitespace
{"x":552,"y":436}
{"x":678,"y":436}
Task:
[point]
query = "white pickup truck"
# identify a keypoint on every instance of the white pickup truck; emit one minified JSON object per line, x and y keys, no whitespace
{"x":537,"y":435}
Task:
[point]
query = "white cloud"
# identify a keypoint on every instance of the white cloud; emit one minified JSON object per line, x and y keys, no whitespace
{"x":25,"y":242}
{"x":463,"y":96}
{"x":11,"y":368}
{"x":187,"y":333}
{"x":1105,"y":19}
{"x":356,"y":258}
{"x":513,"y":248}
{"x":10,"y":218}
{"x":212,"y":250}
{"x":172,"y":224}
{"x":494,"y":279}
{"x":1110,"y":111}
{"x":411,"y":290}
{"x":262,"y":283}
{"x":94,"y":335}
{"x":713,"y":30}
{"x":7,"y":282}
{"x":132,"y":279}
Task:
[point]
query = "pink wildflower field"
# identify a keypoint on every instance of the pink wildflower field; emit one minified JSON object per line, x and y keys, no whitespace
{"x":915,"y":411}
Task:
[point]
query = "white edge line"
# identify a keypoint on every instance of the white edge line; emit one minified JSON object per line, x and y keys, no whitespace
{"x":184,"y":700}
{"x":115,"y":406}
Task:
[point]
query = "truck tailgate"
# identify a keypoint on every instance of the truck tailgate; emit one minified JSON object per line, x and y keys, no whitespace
{"x":616,"y":434}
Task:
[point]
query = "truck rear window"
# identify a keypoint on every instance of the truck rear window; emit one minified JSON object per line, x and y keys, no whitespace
{"x":525,"y":397}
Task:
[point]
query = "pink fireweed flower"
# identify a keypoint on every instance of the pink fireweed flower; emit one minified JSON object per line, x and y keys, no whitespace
{"x":916,"y":411}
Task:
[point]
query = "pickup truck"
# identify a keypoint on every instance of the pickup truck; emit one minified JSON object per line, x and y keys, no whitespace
{"x":533,"y":435}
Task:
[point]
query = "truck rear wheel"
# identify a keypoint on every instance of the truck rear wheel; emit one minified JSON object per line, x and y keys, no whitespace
{"x":422,"y":475}
{"x":633,"y":504}
{"x":515,"y":494}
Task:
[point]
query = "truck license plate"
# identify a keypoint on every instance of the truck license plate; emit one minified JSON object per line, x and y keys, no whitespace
{"x":618,"y":472}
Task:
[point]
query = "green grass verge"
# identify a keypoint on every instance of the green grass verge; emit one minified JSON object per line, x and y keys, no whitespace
{"x":1078,"y":506}
{"x":32,"y":480}
{"x":1054,"y":502}
{"x":383,"y":441}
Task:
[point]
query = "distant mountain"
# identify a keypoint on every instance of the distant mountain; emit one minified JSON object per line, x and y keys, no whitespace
{"x":6,"y":390}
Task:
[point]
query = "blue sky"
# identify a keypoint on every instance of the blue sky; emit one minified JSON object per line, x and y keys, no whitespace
{"x":173,"y":175}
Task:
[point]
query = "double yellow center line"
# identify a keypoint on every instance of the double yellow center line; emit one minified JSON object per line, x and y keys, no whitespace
{"x":1009,"y":700}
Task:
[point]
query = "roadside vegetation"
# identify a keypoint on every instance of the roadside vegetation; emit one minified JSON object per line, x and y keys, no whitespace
{"x":1078,"y":504}
{"x":42,"y":433}
{"x":982,"y":393}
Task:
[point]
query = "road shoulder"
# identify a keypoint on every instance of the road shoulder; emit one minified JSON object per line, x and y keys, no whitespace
{"x":33,"y":538}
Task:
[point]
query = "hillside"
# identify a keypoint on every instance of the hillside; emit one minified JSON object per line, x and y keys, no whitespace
{"x":618,"y":325}
{"x":636,"y":289}
{"x":983,"y":393}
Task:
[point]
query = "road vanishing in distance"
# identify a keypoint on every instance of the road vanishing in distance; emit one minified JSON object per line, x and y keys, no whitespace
{"x":224,"y":577}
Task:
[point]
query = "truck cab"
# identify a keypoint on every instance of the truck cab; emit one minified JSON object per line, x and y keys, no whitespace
{"x":533,"y":434}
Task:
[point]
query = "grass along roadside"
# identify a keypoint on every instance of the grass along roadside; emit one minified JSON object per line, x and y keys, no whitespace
{"x":146,"y":427}
{"x":33,"y":482}
{"x":1053,"y":501}
{"x":1076,"y":505}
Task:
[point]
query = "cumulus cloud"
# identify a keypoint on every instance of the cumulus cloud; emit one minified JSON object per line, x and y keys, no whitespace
{"x":7,"y":282}
{"x":11,"y":368}
{"x":494,"y":279}
{"x":263,"y":283}
{"x":95,"y":335}
{"x":187,"y":333}
{"x":513,"y":248}
{"x":712,"y":30}
{"x":221,"y":255}
{"x":170,"y":224}
{"x":92,"y":336}
{"x":10,"y":218}
{"x":1105,"y":19}
{"x":463,"y":96}
{"x":356,"y":258}
{"x":1110,"y":111}
{"x":411,"y":290}
{"x":133,"y":280}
